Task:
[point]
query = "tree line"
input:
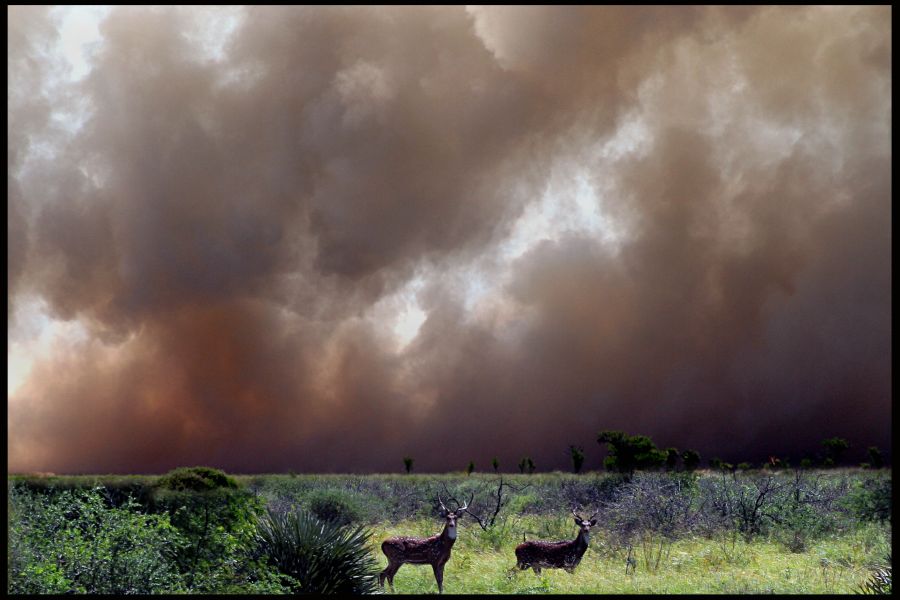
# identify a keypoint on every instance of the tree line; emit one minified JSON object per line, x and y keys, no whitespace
{"x":629,"y":453}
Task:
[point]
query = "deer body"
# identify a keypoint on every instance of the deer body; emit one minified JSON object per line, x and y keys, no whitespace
{"x":555,"y":555}
{"x":434,"y":550}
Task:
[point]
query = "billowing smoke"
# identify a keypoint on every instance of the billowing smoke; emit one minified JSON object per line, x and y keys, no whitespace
{"x":236,"y":210}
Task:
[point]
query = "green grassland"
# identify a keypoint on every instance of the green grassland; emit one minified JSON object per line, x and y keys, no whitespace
{"x":755,"y":531}
{"x":838,"y":564}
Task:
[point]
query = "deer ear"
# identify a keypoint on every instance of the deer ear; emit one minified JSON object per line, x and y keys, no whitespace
{"x":459,"y":514}
{"x":593,"y":522}
{"x":442,"y":513}
{"x":577,"y":521}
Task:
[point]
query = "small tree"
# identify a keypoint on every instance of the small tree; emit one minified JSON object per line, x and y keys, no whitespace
{"x":717,"y":464}
{"x":408,"y":463}
{"x":470,"y":468}
{"x":496,"y":464}
{"x":691,"y":460}
{"x":834,"y":449}
{"x":628,"y":453}
{"x":671,"y":458}
{"x":526,"y":464}
{"x":577,"y":455}
{"x":876,"y":460}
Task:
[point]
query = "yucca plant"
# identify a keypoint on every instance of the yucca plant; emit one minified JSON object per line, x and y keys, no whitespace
{"x":879,"y":581}
{"x":321,"y":557}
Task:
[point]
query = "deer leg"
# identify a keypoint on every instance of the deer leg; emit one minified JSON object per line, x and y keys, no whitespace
{"x":439,"y":576}
{"x":537,"y":569}
{"x":388,"y":573}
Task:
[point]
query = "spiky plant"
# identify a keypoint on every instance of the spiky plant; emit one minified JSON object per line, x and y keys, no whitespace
{"x":879,"y":581}
{"x":321,"y":557}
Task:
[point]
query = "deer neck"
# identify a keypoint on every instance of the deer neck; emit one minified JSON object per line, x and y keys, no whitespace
{"x":583,"y":539}
{"x":448,"y":535}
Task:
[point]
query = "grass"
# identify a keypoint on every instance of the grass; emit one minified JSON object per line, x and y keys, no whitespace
{"x":693,"y":565}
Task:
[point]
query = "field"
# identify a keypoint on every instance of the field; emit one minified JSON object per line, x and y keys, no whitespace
{"x":758,"y":531}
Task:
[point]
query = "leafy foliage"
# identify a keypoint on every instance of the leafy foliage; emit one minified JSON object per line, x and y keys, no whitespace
{"x":320,"y":557}
{"x":196,"y":479}
{"x":408,"y":463}
{"x":332,"y":505}
{"x":870,"y":499}
{"x":671,"y":458}
{"x":876,"y":460}
{"x":74,"y":543}
{"x":217,"y":517}
{"x":526,"y":465}
{"x":577,"y":455}
{"x":834,"y":449}
{"x":628,"y":453}
{"x":691,"y":460}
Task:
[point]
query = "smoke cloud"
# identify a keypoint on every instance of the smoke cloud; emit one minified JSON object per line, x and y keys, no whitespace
{"x":670,"y":221}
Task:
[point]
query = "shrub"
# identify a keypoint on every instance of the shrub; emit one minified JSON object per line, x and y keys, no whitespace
{"x":628,"y":453}
{"x":870,"y":499}
{"x":671,"y":458}
{"x":329,"y":505}
{"x":691,"y":459}
{"x":320,"y":557}
{"x":196,"y":479}
{"x":576,"y":453}
{"x":218,"y":519}
{"x":834,"y":449}
{"x":74,"y":543}
{"x":876,"y":460}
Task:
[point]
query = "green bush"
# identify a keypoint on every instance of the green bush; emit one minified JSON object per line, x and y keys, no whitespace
{"x":218,"y":519}
{"x":320,"y":557}
{"x":334,"y":506}
{"x":196,"y":479}
{"x":629,"y":453}
{"x":74,"y":543}
{"x":870,"y":499}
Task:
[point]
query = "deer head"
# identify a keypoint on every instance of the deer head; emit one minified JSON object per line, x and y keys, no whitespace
{"x":451,"y":516}
{"x":585,"y":525}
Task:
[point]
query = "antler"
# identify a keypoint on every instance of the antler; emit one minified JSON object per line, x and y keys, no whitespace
{"x":442,"y":503}
{"x":459,"y":507}
{"x":576,"y":515}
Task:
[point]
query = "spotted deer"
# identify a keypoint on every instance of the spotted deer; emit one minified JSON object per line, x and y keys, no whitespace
{"x":556,"y":555}
{"x":434,"y":551}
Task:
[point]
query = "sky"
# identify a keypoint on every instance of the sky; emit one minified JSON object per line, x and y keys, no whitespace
{"x":322,"y":239}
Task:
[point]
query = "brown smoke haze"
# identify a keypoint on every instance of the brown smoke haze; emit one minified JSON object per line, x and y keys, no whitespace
{"x":669,"y":221}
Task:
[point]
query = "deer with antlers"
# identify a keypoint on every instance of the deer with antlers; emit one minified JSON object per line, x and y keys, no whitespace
{"x":556,"y":555}
{"x":434,"y":551}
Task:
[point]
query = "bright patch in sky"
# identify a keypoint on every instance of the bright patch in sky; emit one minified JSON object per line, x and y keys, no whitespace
{"x":34,"y":336}
{"x":409,"y":322}
{"x":78,"y":32}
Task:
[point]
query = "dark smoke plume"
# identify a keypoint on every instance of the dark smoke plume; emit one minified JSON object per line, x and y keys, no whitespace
{"x":235,"y":229}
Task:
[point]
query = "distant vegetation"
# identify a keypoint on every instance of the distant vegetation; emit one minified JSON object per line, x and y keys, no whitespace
{"x":663,"y":524}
